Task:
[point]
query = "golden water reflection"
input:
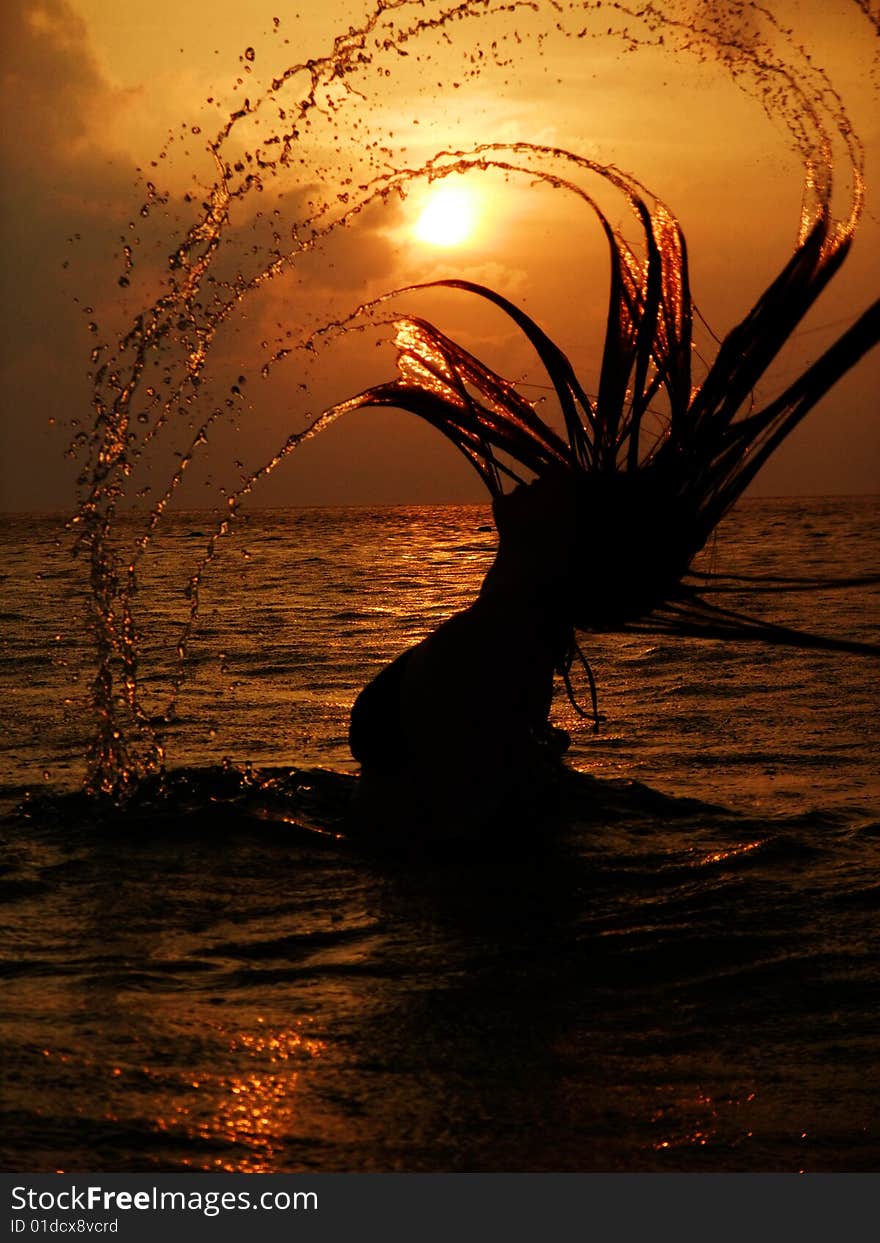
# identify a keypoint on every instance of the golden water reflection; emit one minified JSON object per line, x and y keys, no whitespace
{"x":721,"y":856}
{"x":251,"y":1107}
{"x":700,"y":1120}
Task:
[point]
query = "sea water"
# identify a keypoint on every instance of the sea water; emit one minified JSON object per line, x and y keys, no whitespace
{"x":678,"y":973}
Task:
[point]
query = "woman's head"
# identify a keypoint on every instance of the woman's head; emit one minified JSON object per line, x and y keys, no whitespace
{"x":606,"y":548}
{"x":635,"y":540}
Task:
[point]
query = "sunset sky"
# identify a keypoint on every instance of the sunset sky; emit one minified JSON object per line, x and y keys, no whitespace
{"x":101,"y":98}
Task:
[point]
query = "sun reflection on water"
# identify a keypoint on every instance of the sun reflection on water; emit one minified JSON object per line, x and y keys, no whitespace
{"x":722,"y":856}
{"x":700,"y":1121}
{"x":253,"y":1109}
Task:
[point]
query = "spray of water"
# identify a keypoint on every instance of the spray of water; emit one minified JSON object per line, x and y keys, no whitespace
{"x":305,"y":154}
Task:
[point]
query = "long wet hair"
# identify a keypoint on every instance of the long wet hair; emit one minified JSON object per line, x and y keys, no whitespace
{"x":646,"y":504}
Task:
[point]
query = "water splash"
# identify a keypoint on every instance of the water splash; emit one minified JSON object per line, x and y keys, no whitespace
{"x":164,"y":383}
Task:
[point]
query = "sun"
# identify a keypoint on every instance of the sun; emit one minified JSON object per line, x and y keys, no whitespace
{"x":448,"y":218}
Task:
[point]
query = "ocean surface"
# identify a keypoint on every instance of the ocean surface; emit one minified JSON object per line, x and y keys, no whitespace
{"x":680,"y":971}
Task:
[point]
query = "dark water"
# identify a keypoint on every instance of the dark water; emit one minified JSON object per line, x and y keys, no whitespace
{"x":678,"y":971}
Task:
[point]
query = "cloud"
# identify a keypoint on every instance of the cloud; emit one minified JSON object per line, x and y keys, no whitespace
{"x":51,"y":85}
{"x":70,"y":204}
{"x":57,"y":183}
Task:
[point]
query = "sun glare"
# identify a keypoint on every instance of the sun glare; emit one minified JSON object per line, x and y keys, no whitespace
{"x":448,"y":217}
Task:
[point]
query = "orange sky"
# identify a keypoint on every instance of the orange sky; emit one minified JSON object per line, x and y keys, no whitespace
{"x":97,"y":88}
